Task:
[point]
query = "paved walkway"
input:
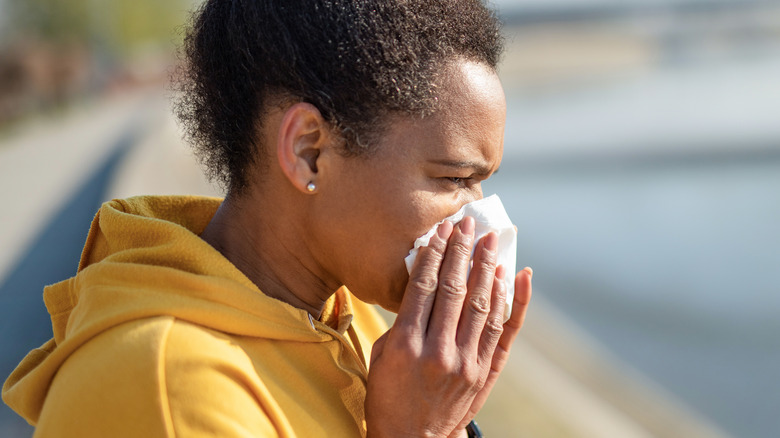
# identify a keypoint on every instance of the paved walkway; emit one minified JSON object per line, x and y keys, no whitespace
{"x":54,"y":175}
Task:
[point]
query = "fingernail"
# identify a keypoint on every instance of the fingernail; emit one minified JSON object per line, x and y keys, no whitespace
{"x":467,"y":225}
{"x":445,"y":229}
{"x":530,"y":271}
{"x":491,"y":242}
{"x":500,"y":272}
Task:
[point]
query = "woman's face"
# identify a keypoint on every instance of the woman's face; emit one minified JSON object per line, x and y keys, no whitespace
{"x":369,"y":210}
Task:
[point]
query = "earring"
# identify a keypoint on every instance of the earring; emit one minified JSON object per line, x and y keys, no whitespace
{"x":311,"y":187}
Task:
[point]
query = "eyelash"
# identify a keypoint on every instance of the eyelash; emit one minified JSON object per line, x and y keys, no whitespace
{"x":458,"y":181}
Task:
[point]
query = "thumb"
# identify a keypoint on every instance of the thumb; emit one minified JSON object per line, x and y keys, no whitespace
{"x":379,"y":346}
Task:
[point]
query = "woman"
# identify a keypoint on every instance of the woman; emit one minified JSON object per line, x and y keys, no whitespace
{"x":342,"y":130}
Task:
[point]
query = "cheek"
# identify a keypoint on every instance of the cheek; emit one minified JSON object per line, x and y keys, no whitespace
{"x":428,"y":213}
{"x":372,"y":228}
{"x":413,"y":219}
{"x":401,"y":223}
{"x":389,"y":226}
{"x":371,"y":224}
{"x":420,"y":214}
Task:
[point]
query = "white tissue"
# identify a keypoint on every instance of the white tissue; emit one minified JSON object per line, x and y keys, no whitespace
{"x":489,"y":215}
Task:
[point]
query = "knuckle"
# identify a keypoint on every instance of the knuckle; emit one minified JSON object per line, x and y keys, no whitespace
{"x":452,"y":286}
{"x":469,"y":375}
{"x":481,"y":380}
{"x":437,"y":363}
{"x":404,"y":355}
{"x":406,"y":346}
{"x":424,"y":283}
{"x":494,"y":328}
{"x":461,"y":248}
{"x":438,"y":247}
{"x":479,"y":303}
{"x":433,"y":251}
{"x":486,"y":264}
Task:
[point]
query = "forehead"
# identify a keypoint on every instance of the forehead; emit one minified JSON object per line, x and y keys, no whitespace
{"x":471,"y":90}
{"x":469,"y":121}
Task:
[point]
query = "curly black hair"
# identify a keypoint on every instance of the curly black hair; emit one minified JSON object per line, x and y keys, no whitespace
{"x":356,"y":61}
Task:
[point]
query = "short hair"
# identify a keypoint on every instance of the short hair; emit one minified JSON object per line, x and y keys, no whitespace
{"x":356,"y":61}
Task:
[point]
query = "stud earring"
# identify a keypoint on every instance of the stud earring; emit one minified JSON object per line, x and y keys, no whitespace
{"x":311,"y":187}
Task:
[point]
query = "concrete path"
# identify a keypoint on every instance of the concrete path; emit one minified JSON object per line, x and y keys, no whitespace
{"x":44,"y":162}
{"x":55,"y":174}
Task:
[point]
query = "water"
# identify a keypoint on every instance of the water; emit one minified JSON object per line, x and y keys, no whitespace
{"x":672,"y":265}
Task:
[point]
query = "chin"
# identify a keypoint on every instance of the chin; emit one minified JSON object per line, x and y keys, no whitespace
{"x":379,"y":294}
{"x":390,"y":307}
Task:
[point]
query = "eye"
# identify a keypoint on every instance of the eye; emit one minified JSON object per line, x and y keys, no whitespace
{"x":457,"y":181}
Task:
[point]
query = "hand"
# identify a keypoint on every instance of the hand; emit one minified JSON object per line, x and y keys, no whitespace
{"x":511,"y":329}
{"x":433,"y":370}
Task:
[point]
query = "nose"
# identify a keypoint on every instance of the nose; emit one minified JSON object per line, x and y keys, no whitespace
{"x":475,"y":194}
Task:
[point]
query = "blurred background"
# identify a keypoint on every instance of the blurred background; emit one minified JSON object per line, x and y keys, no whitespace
{"x":641,"y":166}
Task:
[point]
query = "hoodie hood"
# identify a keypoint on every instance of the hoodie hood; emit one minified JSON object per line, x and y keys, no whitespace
{"x":143,"y":258}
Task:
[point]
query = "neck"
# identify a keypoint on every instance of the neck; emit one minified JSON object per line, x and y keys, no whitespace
{"x":270,"y":250}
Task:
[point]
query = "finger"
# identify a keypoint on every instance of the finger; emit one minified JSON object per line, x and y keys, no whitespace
{"x":523,"y":291}
{"x":515,"y":323}
{"x":420,"y":291}
{"x":447,"y":306}
{"x":494,"y":326}
{"x":511,"y":329}
{"x":478,"y":296}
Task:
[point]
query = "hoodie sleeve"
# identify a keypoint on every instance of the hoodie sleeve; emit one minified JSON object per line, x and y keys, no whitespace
{"x":157,"y":377}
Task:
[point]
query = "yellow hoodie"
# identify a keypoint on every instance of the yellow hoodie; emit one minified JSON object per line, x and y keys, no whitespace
{"x":158,"y":335}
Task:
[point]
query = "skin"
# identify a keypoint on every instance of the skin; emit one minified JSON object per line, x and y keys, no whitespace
{"x":360,"y":222}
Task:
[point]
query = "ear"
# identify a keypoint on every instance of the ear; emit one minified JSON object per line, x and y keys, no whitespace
{"x":303,"y":134}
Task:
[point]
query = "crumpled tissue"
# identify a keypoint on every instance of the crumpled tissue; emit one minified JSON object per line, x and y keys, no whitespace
{"x":489,"y":215}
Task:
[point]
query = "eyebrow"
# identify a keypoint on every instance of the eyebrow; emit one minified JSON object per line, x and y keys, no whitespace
{"x":479,"y":168}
